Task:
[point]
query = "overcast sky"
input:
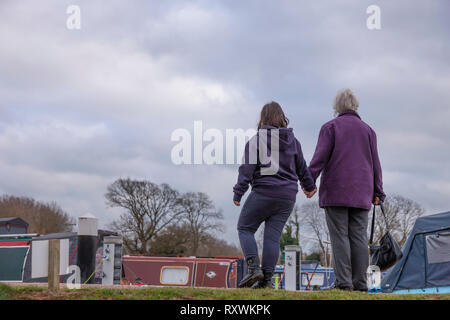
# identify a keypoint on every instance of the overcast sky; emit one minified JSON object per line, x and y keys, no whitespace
{"x":81,"y":108}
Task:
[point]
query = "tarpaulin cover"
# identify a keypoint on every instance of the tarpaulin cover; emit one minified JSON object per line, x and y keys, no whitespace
{"x":11,"y":262}
{"x":425,"y":261}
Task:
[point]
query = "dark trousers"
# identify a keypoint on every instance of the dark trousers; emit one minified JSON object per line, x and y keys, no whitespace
{"x":348,"y":233}
{"x":274,"y":213}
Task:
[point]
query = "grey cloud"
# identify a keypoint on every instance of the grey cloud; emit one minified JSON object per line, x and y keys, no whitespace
{"x":81,"y":108}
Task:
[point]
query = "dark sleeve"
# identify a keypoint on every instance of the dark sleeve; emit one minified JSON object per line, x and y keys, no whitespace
{"x":377,"y":173}
{"x":246,"y":171}
{"x":324,"y":148}
{"x":306,"y":180}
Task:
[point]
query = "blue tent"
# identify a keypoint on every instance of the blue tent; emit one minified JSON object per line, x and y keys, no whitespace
{"x":425,"y":266}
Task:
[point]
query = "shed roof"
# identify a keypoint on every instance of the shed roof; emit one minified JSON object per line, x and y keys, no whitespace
{"x":14,"y":220}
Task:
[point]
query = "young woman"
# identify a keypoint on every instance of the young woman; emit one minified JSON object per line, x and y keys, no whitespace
{"x":273,"y":193}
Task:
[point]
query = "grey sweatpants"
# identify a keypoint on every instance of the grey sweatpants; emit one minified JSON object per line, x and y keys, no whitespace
{"x":274,"y":213}
{"x":348,"y":233}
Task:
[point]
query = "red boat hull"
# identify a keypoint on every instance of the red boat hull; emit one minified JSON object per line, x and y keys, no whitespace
{"x":180,"y":271}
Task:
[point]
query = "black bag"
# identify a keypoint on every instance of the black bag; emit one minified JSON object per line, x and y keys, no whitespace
{"x":388,"y":252}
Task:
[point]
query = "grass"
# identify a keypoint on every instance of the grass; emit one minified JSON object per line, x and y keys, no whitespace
{"x":30,"y":292}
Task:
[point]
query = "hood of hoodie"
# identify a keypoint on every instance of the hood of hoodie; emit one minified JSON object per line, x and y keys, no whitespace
{"x":286,"y":136}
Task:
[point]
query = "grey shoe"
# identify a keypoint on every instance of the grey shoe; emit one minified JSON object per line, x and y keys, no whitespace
{"x":254,"y":273}
{"x":333,"y":286}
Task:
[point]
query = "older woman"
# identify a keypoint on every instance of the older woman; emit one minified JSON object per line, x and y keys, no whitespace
{"x":347,"y":156}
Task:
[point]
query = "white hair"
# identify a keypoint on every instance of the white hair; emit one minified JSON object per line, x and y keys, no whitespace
{"x":345,"y":100}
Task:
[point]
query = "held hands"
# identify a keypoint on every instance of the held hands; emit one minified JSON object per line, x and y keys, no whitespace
{"x":309,"y":194}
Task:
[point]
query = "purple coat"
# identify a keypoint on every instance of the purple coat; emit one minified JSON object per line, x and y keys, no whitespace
{"x":347,"y":156}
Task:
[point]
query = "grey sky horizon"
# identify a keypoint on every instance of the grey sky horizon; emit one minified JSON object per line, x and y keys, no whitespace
{"x":81,"y":108}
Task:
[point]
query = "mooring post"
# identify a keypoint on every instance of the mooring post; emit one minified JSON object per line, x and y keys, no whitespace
{"x":292,"y":264}
{"x":53,"y":265}
{"x":112,"y":260}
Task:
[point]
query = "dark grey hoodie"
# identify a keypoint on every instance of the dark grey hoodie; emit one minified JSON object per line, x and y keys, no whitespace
{"x":282,"y":183}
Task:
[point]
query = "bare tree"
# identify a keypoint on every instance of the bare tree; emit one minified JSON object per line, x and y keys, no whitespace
{"x":315,"y":227}
{"x":212,"y":246}
{"x":42,"y":218}
{"x":294,"y":221}
{"x":150,"y":209}
{"x":52,"y":218}
{"x":290,"y":234}
{"x":401,"y":214}
{"x":176,"y":240}
{"x":172,"y":241}
{"x":201,"y":217}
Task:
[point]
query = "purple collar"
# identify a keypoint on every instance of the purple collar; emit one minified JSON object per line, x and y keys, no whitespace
{"x":350,"y":113}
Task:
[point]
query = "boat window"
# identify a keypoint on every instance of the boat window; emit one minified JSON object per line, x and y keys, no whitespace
{"x":312,"y":278}
{"x":174,"y":275}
